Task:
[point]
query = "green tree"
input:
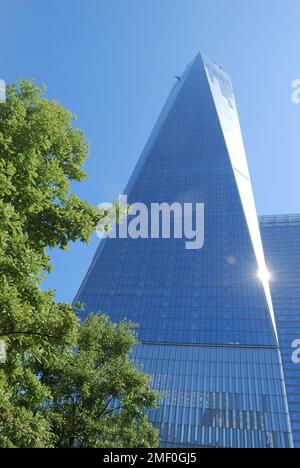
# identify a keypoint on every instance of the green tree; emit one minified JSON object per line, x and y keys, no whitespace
{"x":41,"y":152}
{"x":98,"y":397}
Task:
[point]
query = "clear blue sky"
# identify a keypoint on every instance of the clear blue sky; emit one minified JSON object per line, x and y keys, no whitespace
{"x":112,"y":62}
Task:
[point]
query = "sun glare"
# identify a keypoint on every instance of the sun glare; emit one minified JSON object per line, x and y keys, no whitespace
{"x":264,"y":275}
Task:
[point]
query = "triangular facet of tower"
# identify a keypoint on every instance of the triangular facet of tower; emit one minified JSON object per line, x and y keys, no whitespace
{"x":220,"y":300}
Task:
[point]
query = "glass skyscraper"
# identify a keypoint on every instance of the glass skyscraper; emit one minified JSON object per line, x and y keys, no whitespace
{"x":281,"y":239}
{"x":206,"y":321}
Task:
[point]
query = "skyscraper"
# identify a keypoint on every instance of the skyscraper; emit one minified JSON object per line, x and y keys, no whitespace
{"x":281,"y":240}
{"x":205,"y":316}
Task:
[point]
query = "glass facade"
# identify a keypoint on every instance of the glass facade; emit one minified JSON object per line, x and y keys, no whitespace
{"x":206,"y":320}
{"x":217,"y":396}
{"x":281,"y":239}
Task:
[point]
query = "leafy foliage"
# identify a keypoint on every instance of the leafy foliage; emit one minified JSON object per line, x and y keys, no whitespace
{"x":98,"y":397}
{"x":41,"y":152}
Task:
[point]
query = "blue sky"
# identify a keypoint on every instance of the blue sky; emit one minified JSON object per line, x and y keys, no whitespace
{"x":113,"y":63}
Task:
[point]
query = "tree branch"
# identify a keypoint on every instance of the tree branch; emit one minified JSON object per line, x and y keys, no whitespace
{"x":27,"y":332}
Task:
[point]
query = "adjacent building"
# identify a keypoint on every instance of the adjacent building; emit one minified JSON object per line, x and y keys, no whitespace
{"x":281,"y":240}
